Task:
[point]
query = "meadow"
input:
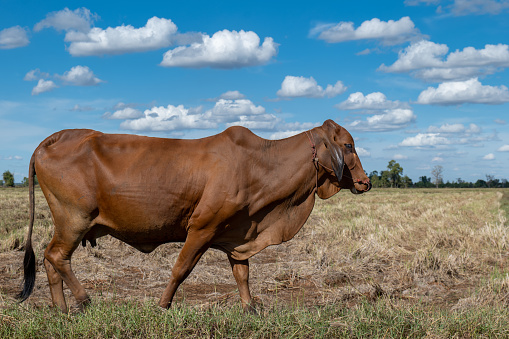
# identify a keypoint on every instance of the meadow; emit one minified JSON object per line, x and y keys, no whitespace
{"x":396,"y":263}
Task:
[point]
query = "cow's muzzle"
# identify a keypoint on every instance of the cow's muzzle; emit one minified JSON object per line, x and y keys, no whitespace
{"x":361,"y":186}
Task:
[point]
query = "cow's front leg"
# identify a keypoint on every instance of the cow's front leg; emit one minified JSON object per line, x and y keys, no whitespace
{"x":196,"y":244}
{"x":240,"y":269}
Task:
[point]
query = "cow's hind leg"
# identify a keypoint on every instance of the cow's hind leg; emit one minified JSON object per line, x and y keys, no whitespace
{"x":240,"y":269}
{"x":58,"y":253}
{"x":196,"y":244}
{"x":55,"y":286}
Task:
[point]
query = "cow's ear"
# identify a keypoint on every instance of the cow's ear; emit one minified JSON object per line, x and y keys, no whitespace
{"x":337,"y":158}
{"x":327,"y":189}
{"x":332,"y":131}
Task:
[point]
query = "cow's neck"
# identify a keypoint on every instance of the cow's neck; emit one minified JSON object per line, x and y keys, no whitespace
{"x":292,"y":172}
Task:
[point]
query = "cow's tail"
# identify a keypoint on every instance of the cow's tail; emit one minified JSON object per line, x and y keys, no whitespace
{"x":29,"y":261}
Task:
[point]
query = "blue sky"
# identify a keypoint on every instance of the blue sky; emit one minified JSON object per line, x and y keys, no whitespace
{"x":423,"y":82}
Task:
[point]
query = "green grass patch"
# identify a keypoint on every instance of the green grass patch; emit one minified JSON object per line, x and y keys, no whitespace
{"x":132,"y":319}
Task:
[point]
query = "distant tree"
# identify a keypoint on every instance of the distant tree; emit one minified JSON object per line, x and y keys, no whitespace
{"x":375,"y":179}
{"x":8,"y":179}
{"x":1,"y":183}
{"x":26,"y":181}
{"x":385,"y":179}
{"x":406,"y":181}
{"x":480,"y":183}
{"x":395,"y":170}
{"x":489,"y":179}
{"x":436,"y":173}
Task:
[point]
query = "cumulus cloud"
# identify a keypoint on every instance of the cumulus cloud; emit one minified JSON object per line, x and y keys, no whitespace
{"x":362,"y":152}
{"x":388,"y":121}
{"x":168,"y":118}
{"x":225,"y":113}
{"x":399,"y":157}
{"x":124,"y":114}
{"x":455,"y":129}
{"x":79,"y":20}
{"x":80,"y":76}
{"x":460,"y":92}
{"x":427,"y":60}
{"x":43,"y":86}
{"x":228,"y":111}
{"x":225,"y":49}
{"x":76,"y":76}
{"x":13,"y":37}
{"x":295,"y":87}
{"x":466,"y":7}
{"x":157,"y":33}
{"x":35,"y":74}
{"x":388,"y":32}
{"x":489,"y":156}
{"x":425,"y":140}
{"x":232,"y":95}
{"x":372,"y":101}
{"x":504,"y":148}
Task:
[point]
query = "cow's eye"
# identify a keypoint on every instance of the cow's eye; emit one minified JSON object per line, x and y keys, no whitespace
{"x":348,"y":146}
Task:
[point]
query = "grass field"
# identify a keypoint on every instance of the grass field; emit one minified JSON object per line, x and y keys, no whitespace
{"x":390,"y":263}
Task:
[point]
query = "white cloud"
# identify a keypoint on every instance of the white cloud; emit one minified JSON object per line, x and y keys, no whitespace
{"x":294,"y":87}
{"x":372,"y":101}
{"x":287,"y":130}
{"x":426,"y":60}
{"x":13,"y":37}
{"x":460,"y":92}
{"x":500,"y":121}
{"x":76,"y":76}
{"x":125,"y":113}
{"x":455,"y":129}
{"x":168,"y":118}
{"x":34,"y":75}
{"x":43,"y":86}
{"x":388,"y":121}
{"x":489,"y":156}
{"x":388,"y":32}
{"x":362,"y":152}
{"x":424,"y":140}
{"x":232,"y":95}
{"x":418,"y":2}
{"x":78,"y":20}
{"x":225,"y":49}
{"x":229,"y":111}
{"x":80,"y":76}
{"x":465,"y":7}
{"x":447,"y":128}
{"x":157,"y":33}
{"x":399,"y":157}
{"x":504,"y":148}
{"x":267,"y":122}
{"x":437,"y":159}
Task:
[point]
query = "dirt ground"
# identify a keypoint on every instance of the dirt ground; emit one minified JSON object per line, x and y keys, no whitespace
{"x":311,"y":269}
{"x":114,"y":270}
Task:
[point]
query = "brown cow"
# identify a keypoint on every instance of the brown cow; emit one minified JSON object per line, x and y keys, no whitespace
{"x":233,"y":191}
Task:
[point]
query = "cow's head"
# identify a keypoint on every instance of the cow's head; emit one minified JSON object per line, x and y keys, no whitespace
{"x":340,"y":162}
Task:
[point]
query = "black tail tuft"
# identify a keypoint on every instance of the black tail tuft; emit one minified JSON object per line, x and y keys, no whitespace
{"x":29,"y":274}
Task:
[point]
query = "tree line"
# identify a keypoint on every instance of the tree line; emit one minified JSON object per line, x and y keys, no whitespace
{"x":8,"y":180}
{"x":393,"y":177}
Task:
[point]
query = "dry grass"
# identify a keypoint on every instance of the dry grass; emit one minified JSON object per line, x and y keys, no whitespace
{"x":445,"y":248}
